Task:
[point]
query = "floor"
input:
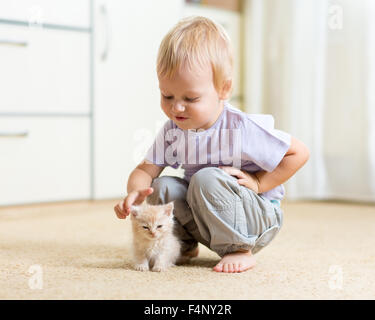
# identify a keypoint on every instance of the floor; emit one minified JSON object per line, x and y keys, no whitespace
{"x":80,"y":250}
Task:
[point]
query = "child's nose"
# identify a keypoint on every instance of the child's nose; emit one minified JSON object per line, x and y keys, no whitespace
{"x":178,"y":107}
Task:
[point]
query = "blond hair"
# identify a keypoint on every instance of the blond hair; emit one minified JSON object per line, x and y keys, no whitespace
{"x":196,"y":41}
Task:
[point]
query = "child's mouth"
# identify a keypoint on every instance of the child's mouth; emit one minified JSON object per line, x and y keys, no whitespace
{"x":181,"y":118}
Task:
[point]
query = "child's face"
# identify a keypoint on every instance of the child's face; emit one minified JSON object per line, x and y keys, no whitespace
{"x":190,"y":99}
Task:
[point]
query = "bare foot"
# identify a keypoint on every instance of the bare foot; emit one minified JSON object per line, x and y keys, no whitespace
{"x":236,"y":262}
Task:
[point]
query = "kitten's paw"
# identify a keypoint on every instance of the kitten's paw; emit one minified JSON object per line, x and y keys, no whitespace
{"x":141,"y":267}
{"x":160,"y":267}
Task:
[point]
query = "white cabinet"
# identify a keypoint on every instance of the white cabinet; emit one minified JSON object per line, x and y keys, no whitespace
{"x":126,"y":93}
{"x":45,"y":108}
{"x":72,"y":13}
{"x":79,"y":103}
{"x":44,"y":70}
{"x":44,"y":159}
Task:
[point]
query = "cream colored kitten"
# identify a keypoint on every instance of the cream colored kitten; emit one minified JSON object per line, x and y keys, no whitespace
{"x":154,"y":244}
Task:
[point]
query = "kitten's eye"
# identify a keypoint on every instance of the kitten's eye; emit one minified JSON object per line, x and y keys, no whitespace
{"x":144,"y":227}
{"x":159,"y":226}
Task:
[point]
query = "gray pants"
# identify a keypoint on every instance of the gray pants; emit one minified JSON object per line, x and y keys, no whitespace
{"x":215,"y":210}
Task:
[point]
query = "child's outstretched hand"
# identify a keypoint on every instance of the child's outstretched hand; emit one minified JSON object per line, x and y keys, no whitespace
{"x":245,"y":178}
{"x":135,"y":197}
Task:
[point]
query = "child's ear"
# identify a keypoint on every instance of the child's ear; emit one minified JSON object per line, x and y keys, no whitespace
{"x":226,"y":90}
{"x":169,"y":208}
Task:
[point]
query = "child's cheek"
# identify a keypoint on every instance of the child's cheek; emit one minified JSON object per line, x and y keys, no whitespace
{"x":165,"y":108}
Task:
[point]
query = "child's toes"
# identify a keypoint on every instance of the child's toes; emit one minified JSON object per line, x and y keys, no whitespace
{"x":226,"y":267}
{"x":231,"y":267}
{"x":236,"y":267}
{"x":218,"y":267}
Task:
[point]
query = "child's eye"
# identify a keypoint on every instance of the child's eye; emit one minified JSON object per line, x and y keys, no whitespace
{"x":168,"y":97}
{"x":144,"y":227}
{"x":160,"y":225}
{"x":192,"y":99}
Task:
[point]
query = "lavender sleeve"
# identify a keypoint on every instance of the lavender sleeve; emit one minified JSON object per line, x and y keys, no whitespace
{"x":262,"y":144}
{"x":156,"y":153}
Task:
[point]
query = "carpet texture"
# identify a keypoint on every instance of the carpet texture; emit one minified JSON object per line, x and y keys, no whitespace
{"x":80,"y":250}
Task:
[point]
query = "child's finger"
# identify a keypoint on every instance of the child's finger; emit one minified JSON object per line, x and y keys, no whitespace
{"x":119,"y":213}
{"x":233,"y":171}
{"x":130,"y":199}
{"x":242,"y":182}
{"x":121,"y":205}
{"x":122,"y":209}
{"x":117,"y":208}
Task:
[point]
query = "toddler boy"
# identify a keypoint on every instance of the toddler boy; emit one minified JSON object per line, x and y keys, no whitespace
{"x":235,"y":163}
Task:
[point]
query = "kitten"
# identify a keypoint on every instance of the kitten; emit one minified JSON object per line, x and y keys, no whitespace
{"x":154,"y":244}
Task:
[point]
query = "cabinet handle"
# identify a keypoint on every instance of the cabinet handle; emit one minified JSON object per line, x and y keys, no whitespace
{"x":104,"y":12}
{"x":15,"y":134}
{"x":13,"y":43}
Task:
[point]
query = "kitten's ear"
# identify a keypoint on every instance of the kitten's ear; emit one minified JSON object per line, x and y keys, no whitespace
{"x":134,"y":210}
{"x":169,"y":208}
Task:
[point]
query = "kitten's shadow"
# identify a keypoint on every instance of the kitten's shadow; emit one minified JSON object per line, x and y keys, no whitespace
{"x":127,"y":265}
{"x":201,"y":262}
{"x":108,"y":264}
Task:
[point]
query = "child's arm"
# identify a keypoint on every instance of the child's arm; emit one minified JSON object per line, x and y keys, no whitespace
{"x":138,"y":187}
{"x":263,"y":181}
{"x":294,"y":159}
{"x":141,"y":177}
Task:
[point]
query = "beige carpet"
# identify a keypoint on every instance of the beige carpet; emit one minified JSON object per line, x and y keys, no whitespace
{"x":81,"y":251}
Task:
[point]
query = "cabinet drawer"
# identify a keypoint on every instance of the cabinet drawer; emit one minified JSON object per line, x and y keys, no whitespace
{"x":44,"y":70}
{"x":44,"y":159}
{"x":61,"y":12}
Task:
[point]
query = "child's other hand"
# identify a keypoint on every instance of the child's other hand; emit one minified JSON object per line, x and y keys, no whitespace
{"x":135,"y":197}
{"x":245,"y":178}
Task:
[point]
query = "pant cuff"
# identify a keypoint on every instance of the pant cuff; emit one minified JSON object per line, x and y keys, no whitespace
{"x":233,"y":248}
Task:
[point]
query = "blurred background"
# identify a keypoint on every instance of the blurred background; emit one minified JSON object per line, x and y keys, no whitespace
{"x":79,"y":98}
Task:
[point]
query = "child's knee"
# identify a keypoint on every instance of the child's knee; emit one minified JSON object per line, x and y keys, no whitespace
{"x":214,"y":185}
{"x":166,"y":189}
{"x":204,"y":177}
